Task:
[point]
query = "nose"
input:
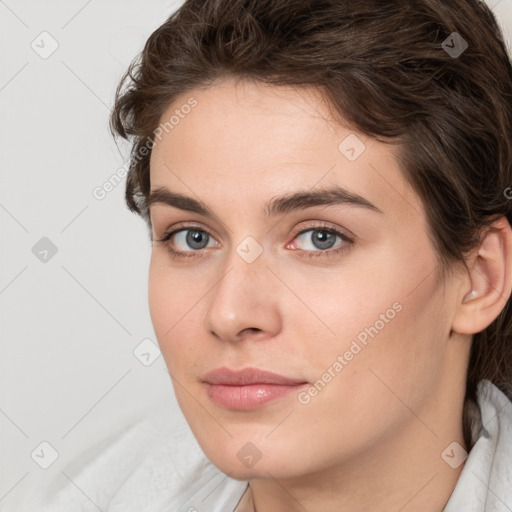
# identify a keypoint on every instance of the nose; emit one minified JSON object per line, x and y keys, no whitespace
{"x":244,"y":302}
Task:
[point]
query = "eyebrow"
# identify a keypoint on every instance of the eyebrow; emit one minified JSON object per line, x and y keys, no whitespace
{"x":335,"y":195}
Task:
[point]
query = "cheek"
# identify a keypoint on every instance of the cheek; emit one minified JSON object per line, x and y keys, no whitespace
{"x":171,"y":299}
{"x":383,"y":317}
{"x":398,"y":361}
{"x":330,"y":307}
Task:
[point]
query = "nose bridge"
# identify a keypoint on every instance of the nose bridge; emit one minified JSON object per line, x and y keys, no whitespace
{"x":245,"y":266}
{"x":242,"y":298}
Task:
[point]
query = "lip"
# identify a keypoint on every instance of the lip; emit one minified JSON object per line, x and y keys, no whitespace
{"x":248,"y":388}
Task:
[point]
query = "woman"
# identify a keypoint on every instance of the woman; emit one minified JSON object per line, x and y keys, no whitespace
{"x":327,"y":189}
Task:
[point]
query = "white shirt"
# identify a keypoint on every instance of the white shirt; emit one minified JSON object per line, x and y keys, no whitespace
{"x":156,"y":465}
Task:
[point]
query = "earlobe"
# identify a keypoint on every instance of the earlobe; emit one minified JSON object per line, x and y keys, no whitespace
{"x":489,"y":283}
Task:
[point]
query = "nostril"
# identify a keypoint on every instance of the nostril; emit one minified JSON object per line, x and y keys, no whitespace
{"x":251,"y":329}
{"x":248,"y":332}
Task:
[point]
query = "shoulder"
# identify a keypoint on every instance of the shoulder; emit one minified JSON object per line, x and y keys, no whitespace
{"x":155,"y":464}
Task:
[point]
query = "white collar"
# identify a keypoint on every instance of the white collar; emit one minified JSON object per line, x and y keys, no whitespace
{"x":485,"y":483}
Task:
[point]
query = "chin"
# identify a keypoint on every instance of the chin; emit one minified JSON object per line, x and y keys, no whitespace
{"x":247,"y":462}
{"x":236,"y":471}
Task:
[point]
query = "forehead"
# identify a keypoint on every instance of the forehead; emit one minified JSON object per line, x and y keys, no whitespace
{"x":258,"y":141}
{"x":249,"y":122}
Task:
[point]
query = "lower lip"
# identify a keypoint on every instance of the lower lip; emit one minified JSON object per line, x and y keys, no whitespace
{"x":249,"y":397}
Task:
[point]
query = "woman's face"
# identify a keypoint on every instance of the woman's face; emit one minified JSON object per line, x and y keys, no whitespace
{"x":336,"y":292}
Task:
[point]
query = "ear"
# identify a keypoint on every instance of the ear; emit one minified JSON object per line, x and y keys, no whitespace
{"x":487,"y":286}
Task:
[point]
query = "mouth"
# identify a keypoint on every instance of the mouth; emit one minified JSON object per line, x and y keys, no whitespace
{"x":249,"y":388}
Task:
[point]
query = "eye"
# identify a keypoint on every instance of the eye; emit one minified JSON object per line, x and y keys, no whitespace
{"x":193,"y":238}
{"x":321,"y":240}
{"x":188,"y":241}
{"x":318,"y":240}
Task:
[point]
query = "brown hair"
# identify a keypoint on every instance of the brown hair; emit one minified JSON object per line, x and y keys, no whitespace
{"x":392,"y":71}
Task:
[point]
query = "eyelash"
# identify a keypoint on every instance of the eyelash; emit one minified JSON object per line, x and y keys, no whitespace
{"x":306,"y":254}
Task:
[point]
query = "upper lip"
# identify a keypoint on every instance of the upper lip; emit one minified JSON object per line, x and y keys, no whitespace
{"x":248,"y":376}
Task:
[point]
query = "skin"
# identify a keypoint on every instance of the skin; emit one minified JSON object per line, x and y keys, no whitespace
{"x":372,"y":438}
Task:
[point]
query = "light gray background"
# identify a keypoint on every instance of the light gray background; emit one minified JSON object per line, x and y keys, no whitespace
{"x":69,"y":325}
